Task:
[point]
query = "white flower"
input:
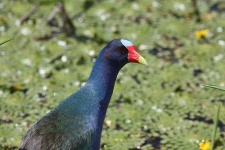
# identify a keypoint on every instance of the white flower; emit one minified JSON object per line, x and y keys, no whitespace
{"x":64,"y":58}
{"x":26,"y":31}
{"x":61,"y":43}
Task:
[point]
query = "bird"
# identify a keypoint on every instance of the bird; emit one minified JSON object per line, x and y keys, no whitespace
{"x":76,"y":123}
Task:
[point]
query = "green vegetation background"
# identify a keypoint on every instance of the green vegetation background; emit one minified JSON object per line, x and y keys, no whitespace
{"x":160,"y":106}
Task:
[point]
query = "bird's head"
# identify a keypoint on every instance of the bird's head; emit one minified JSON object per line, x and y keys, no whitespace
{"x":121,"y":51}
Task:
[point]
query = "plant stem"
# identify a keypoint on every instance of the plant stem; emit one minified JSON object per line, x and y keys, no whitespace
{"x":215,"y":127}
{"x":196,"y":10}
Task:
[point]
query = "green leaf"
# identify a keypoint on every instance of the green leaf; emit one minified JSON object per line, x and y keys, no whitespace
{"x":212,"y":86}
{"x":1,"y":43}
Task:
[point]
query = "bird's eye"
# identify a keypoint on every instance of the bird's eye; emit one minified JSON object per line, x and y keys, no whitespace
{"x":120,"y":50}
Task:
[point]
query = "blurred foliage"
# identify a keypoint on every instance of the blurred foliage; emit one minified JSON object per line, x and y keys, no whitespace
{"x":157,"y":107}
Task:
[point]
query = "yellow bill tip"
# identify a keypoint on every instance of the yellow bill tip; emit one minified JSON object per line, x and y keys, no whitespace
{"x":141,"y":60}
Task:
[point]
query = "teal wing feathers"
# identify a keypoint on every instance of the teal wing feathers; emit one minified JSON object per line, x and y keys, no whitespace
{"x":60,"y":129}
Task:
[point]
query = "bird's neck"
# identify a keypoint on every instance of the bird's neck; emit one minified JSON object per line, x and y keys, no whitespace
{"x":103,"y":78}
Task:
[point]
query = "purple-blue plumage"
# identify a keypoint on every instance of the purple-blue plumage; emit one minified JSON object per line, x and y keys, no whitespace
{"x":76,"y":123}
